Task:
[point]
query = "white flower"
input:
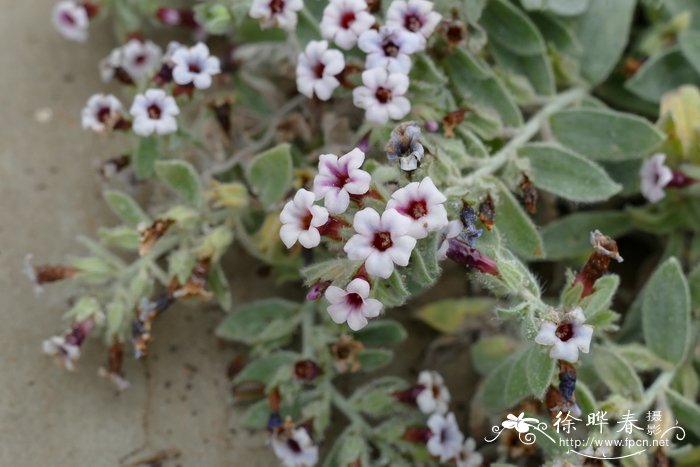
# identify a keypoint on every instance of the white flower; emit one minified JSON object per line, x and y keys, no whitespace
{"x":71,"y":20}
{"x":389,"y":47}
{"x":435,"y":397}
{"x":380,"y":242}
{"x":566,"y":336}
{"x":194,"y":65}
{"x":655,"y":175}
{"x":382,"y":95}
{"x":338,"y":178}
{"x":468,"y":457}
{"x":65,"y":353}
{"x":344,"y":21}
{"x":422,"y":204}
{"x":352,"y":304}
{"x":295,"y":448}
{"x":451,"y":230}
{"x":301,"y":220}
{"x":154,"y":112}
{"x":317,"y":69}
{"x":446,"y":441}
{"x":101,"y":112}
{"x":109,"y":64}
{"x":520,"y":423}
{"x":280,"y":13}
{"x":139,"y":58}
{"x":414,"y":16}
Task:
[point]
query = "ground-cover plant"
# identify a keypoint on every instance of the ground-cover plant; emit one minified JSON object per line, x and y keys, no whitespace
{"x":356,"y":147}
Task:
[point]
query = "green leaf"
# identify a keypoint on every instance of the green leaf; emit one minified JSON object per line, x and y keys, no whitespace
{"x":218,"y":284}
{"x":146,"y":155}
{"x":524,"y":373}
{"x":515,"y":225}
{"x":540,"y":370}
{"x":535,"y":68}
{"x":603,"y":31}
{"x":126,"y":208}
{"x":477,"y":86}
{"x":488,"y":352}
{"x":689,"y":42}
{"x":566,"y":174}
{"x":249,"y":320}
{"x":182,"y":178}
{"x":375,"y":398}
{"x":685,"y":410}
{"x":449,"y":315}
{"x":373,"y":359}
{"x":558,"y":7}
{"x":257,"y":415}
{"x":570,"y":236}
{"x":666,"y":312}
{"x":120,"y":237}
{"x":641,"y":358}
{"x":511,"y":29}
{"x":266,"y":368}
{"x":604,"y":134}
{"x":661,"y":74}
{"x":270,"y":174}
{"x":382,"y":333}
{"x":616,"y":373}
{"x":601,"y":298}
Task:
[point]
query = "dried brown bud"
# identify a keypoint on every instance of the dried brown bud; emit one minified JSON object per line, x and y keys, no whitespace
{"x":451,"y":121}
{"x":113,"y":166}
{"x":631,"y":66}
{"x":46,"y":273}
{"x":530,"y":194}
{"x":195,"y":285}
{"x":454,"y":30}
{"x":605,"y":250}
{"x":487,"y":212}
{"x":150,"y":235}
{"x":344,"y":352}
{"x":306,"y":370}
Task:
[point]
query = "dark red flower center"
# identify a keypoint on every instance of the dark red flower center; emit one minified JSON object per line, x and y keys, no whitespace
{"x":194,"y":68}
{"x":565,"y":331}
{"x":354,"y":300}
{"x":436,"y":391}
{"x":318,"y":70}
{"x":382,"y":241}
{"x":412,"y":22}
{"x":390,"y":49}
{"x":140,"y":59}
{"x":277,"y":6}
{"x":154,"y":111}
{"x":383,"y":95}
{"x":103,"y":114}
{"x":293,"y":446}
{"x":417,"y":209}
{"x":68,"y":18}
{"x":306,"y":221}
{"x":347,"y":19}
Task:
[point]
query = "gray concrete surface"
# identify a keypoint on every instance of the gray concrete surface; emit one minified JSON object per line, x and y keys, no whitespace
{"x":49,"y":194}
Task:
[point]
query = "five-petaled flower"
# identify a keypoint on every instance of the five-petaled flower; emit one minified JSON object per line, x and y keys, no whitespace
{"x":421,"y":203}
{"x":435,"y":397}
{"x":317,"y":68}
{"x":353,"y":304}
{"x":416,"y":17}
{"x":567,"y":335}
{"x":389,"y":47}
{"x":71,"y":20}
{"x":519,"y":423}
{"x":655,"y":176}
{"x":380,"y":242}
{"x":301,"y":219}
{"x":280,"y":13}
{"x":295,"y":448}
{"x":101,"y":113}
{"x":382,"y":95}
{"x":340,"y":177}
{"x":446,"y":441}
{"x":344,"y":21}
{"x":194,"y":65}
{"x":154,"y":112}
{"x":139,"y":58}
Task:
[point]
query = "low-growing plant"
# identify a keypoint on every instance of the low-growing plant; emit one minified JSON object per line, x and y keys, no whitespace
{"x":356,"y":147}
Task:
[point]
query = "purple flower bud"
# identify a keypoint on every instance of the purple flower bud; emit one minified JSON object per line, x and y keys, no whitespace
{"x":317,"y":290}
{"x":432,"y":126}
{"x":463,"y":254}
{"x":363,"y":143}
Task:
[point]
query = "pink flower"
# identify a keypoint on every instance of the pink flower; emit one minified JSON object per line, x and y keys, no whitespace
{"x":338,"y":178}
{"x":435,"y":397}
{"x":317,"y":69}
{"x":344,"y":21}
{"x":301,"y":220}
{"x":414,"y":16}
{"x":655,"y":175}
{"x":382,"y":95}
{"x":71,"y":20}
{"x":280,"y":13}
{"x":422,"y":204}
{"x":154,"y":112}
{"x":194,"y":65}
{"x":389,"y":47}
{"x":352,"y":305}
{"x":446,"y":441}
{"x":380,"y":242}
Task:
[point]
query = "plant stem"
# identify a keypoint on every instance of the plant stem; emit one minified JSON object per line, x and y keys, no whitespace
{"x":307,"y":329}
{"x":523,"y":135}
{"x":348,"y":410}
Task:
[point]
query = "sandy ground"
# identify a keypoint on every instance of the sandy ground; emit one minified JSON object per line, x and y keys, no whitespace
{"x":49,"y":194}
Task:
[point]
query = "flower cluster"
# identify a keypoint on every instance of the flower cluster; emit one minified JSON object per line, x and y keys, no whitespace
{"x":380,"y":241}
{"x":155,"y":110}
{"x":444,"y":440}
{"x":349,"y":24}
